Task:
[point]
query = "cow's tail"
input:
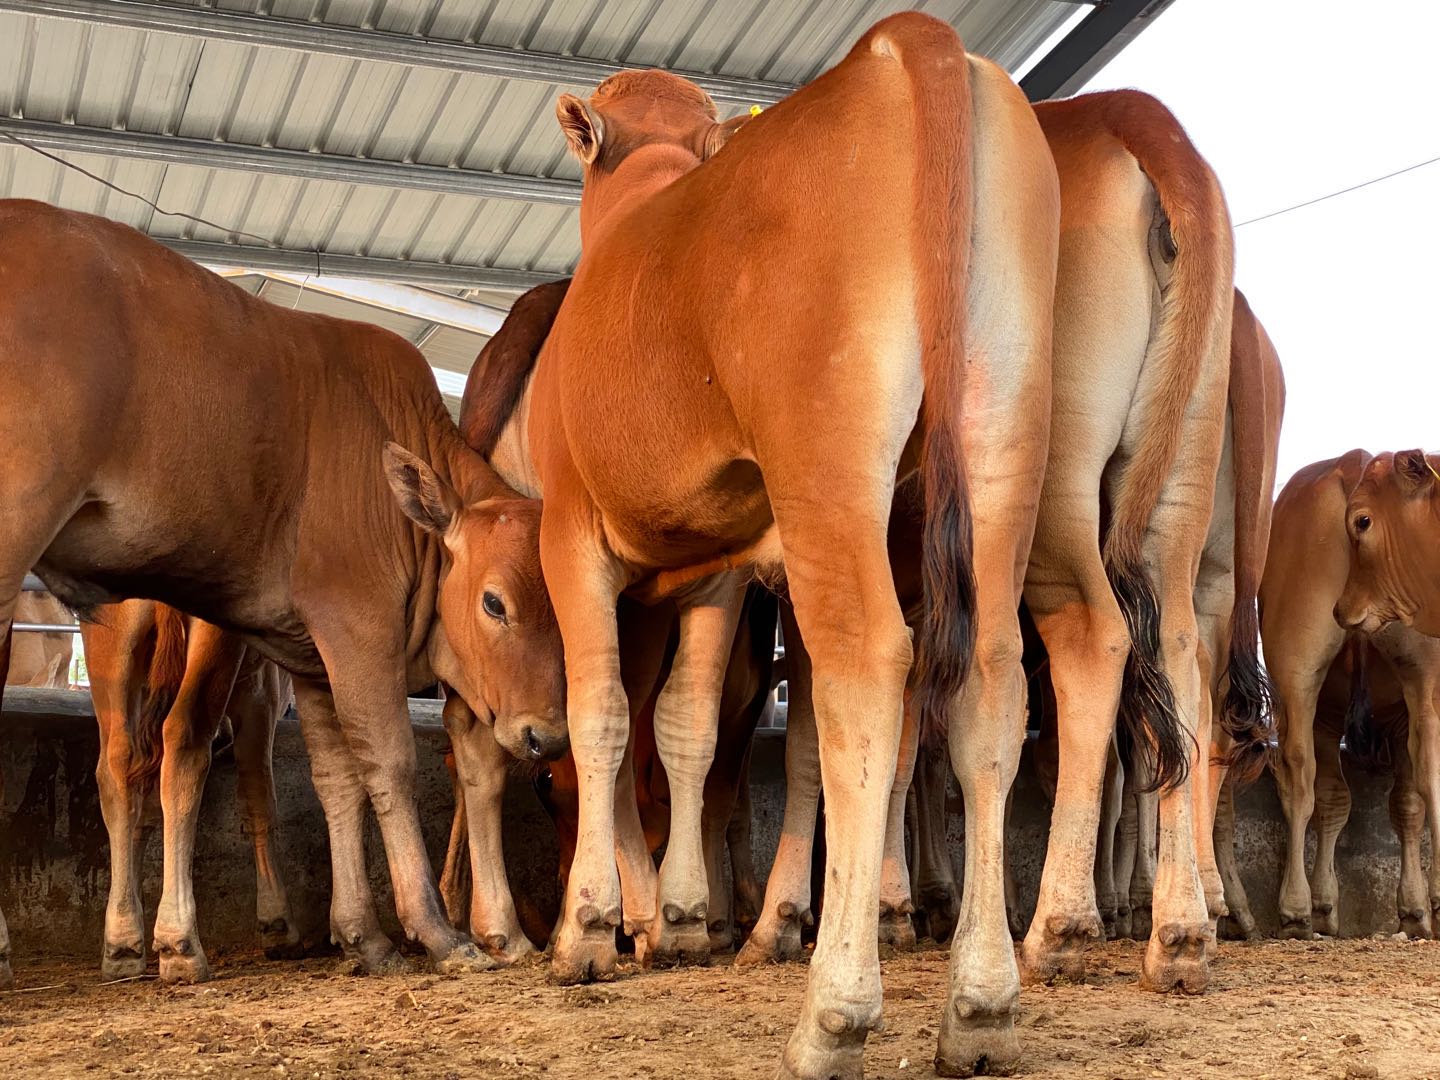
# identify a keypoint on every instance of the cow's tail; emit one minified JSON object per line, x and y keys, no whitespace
{"x":1361,"y":737}
{"x":162,"y":684}
{"x":1195,"y":237}
{"x":940,"y":92}
{"x":1247,"y":714}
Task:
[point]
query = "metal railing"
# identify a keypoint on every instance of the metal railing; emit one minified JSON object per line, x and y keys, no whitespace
{"x":34,"y":584}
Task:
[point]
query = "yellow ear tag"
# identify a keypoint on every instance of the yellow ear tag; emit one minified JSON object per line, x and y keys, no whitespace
{"x":755,"y":110}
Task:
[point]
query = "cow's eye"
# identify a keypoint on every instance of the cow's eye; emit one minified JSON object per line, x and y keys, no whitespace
{"x":1362,"y":523}
{"x":494,"y":606}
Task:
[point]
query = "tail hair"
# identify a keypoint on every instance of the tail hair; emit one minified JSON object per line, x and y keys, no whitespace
{"x":1247,"y":715}
{"x":162,"y":684}
{"x":1362,"y":739}
{"x":1149,"y":719}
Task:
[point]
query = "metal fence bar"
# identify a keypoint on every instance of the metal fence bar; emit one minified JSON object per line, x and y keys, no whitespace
{"x":44,"y":628}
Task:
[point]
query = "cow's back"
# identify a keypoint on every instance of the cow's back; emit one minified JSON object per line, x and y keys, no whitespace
{"x":187,"y":415}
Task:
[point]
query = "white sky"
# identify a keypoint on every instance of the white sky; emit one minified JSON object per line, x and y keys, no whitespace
{"x":1290,"y":100}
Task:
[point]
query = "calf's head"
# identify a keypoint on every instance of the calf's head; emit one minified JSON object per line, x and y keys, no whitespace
{"x":500,"y":648}
{"x":639,"y":131}
{"x":1393,"y":520}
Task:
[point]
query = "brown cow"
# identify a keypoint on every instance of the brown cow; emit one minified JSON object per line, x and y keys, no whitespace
{"x":1393,"y":520}
{"x":40,"y":660}
{"x":1232,"y":564}
{"x":188,"y":443}
{"x":764,"y":431}
{"x":163,"y":684}
{"x":1142,"y":333}
{"x":1310,"y":558}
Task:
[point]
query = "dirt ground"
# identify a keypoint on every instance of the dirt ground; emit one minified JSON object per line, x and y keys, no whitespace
{"x":1277,"y":1009}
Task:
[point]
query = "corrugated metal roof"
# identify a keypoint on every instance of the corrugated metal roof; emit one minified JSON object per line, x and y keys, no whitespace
{"x":113,"y":77}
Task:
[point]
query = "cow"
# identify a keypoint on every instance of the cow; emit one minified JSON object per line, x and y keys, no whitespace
{"x":1311,"y":568}
{"x":36,"y":659}
{"x":1393,"y":521}
{"x":291,"y":478}
{"x":494,"y":413}
{"x":707,"y":408}
{"x":1232,"y":565}
{"x":1141,"y":370}
{"x":163,"y":686}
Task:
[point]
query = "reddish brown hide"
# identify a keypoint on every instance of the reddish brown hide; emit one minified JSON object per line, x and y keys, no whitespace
{"x":188,"y":443}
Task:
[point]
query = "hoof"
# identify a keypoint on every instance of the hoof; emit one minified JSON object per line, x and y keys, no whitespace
{"x":1057,"y":950}
{"x":830,"y":1046}
{"x":896,"y":929}
{"x":1239,"y":927}
{"x":679,"y":938}
{"x":1124,"y":923}
{"x":374,"y":954}
{"x":183,"y":965}
{"x":1109,"y":918}
{"x":465,"y":959}
{"x":122,"y":961}
{"x":1175,"y":959}
{"x":722,"y":936}
{"x":1416,"y":924}
{"x":942,"y":911}
{"x":508,"y":950}
{"x":1140,"y":924}
{"x":280,"y":939}
{"x":778,"y":941}
{"x":1324,"y":919}
{"x":585,"y":949}
{"x":978,"y":1040}
{"x":1295,"y":928}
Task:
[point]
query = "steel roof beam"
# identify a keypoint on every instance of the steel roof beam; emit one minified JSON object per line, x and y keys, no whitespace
{"x":408,"y":300}
{"x":408,"y":271}
{"x":276,"y":161}
{"x":1089,"y":47}
{"x":363,"y":43}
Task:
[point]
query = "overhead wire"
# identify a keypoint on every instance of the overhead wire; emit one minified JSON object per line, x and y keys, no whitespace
{"x":1342,"y":191}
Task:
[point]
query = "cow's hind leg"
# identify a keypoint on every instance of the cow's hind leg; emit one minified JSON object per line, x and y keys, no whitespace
{"x":7,"y":611}
{"x":1332,"y":811}
{"x":860,"y":654}
{"x":687,"y":715}
{"x":1407,"y":815}
{"x":746,"y":883}
{"x":896,"y":905}
{"x":787,"y":904}
{"x":1239,"y":925}
{"x":115,"y":686}
{"x":260,"y":696}
{"x":212,"y":659}
{"x":936,"y":892}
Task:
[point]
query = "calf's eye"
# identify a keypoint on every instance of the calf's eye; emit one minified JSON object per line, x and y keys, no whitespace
{"x":494,"y":606}
{"x":1362,"y":523}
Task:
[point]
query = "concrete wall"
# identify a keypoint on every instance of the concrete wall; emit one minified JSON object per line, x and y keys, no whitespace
{"x":54,"y":853}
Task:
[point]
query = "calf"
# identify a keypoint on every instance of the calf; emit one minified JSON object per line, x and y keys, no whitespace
{"x":1310,"y":560}
{"x":167,"y":436}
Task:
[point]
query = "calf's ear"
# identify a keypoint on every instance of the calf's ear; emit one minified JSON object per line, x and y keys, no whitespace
{"x":1413,"y":470}
{"x":424,"y":497}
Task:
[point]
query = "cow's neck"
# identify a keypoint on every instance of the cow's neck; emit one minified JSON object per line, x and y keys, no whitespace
{"x":610,"y":195}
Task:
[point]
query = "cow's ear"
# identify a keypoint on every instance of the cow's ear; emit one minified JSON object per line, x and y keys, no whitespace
{"x":1413,"y":470}
{"x":582,"y":127}
{"x":719,"y":135}
{"x":423,"y":497}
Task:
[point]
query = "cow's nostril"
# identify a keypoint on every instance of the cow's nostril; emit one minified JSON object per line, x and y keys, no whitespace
{"x":533,"y":747}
